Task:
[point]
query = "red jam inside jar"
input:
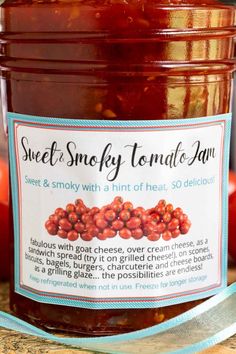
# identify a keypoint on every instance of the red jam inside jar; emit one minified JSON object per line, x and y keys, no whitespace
{"x":114,"y":60}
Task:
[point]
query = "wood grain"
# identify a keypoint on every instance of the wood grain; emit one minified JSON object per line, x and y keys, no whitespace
{"x":15,"y":343}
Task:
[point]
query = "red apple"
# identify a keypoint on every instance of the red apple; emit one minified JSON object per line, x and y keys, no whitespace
{"x":4,"y":236}
{"x":4,"y":221}
{"x":4,"y":189}
{"x":232,"y":182}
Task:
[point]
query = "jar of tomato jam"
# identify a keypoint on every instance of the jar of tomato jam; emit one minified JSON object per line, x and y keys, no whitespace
{"x":118,"y":117}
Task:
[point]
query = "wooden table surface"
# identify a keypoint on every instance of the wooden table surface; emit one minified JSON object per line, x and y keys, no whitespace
{"x":15,"y":343}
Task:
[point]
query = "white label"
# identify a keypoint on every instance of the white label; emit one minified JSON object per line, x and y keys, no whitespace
{"x":145,"y":163}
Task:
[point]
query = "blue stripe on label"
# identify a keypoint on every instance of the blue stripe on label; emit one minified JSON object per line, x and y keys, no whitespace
{"x":112,"y":123}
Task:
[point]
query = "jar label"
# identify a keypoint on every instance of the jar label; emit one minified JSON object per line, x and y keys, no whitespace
{"x":119,"y":214}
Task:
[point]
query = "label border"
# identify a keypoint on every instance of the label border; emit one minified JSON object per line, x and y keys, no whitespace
{"x":15,"y":119}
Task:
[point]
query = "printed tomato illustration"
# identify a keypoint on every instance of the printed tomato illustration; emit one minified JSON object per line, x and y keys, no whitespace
{"x":119,"y":218}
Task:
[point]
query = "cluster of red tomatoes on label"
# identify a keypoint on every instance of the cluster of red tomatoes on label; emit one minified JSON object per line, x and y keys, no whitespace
{"x":118,"y":218}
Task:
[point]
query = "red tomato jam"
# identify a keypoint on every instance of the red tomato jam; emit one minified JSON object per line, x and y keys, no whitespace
{"x":115,"y":60}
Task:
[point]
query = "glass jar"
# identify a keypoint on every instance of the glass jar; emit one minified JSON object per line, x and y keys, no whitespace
{"x":119,"y":61}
